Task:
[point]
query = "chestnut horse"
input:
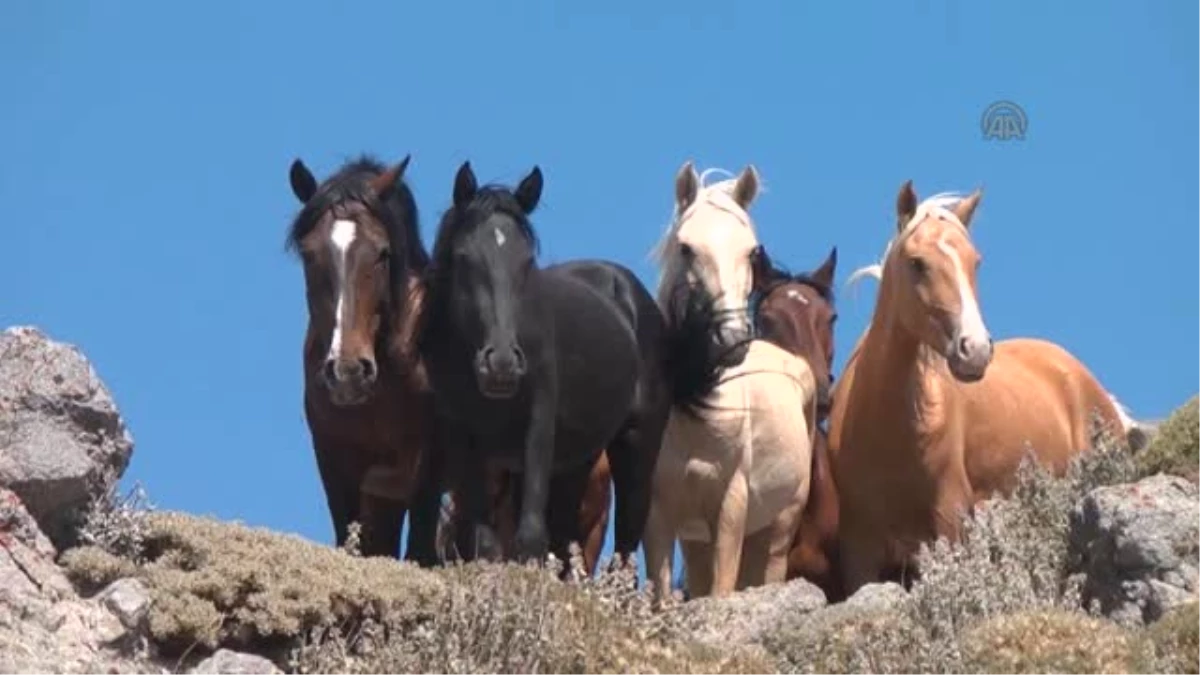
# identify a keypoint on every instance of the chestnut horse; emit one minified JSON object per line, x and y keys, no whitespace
{"x":796,"y":312}
{"x":357,"y":235}
{"x":930,"y":417}
{"x":504,"y":493}
{"x":733,"y":476}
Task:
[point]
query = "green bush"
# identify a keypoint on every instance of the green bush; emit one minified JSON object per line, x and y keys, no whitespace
{"x":1175,"y":448}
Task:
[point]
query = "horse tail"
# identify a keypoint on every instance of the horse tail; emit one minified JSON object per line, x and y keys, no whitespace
{"x":1137,"y":435}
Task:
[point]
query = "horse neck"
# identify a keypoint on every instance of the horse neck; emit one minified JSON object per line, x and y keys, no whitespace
{"x":903,"y":375}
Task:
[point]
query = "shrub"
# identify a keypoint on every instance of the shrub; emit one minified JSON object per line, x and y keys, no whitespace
{"x":316,"y":608}
{"x":1175,"y":448}
{"x":1173,"y":642}
{"x":1048,"y":641}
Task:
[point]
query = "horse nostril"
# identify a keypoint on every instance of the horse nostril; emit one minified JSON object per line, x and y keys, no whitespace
{"x":519,"y":358}
{"x":485,"y":358}
{"x":964,"y":347}
{"x":330,"y":370}
{"x":368,"y":369}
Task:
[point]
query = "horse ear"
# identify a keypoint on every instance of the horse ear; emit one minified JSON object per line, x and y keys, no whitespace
{"x":906,"y":205}
{"x":966,"y":208}
{"x":687,"y":186}
{"x":825,"y":273}
{"x":465,"y":185}
{"x":304,"y":186}
{"x":388,"y":179}
{"x":530,"y":191}
{"x":746,"y":188}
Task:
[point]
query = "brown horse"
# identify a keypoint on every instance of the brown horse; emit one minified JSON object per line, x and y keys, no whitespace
{"x":364,"y":400}
{"x":796,"y":312}
{"x":504,"y":494}
{"x":930,"y":417}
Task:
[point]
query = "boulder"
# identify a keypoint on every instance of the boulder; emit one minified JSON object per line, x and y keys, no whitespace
{"x":743,"y":618}
{"x":229,"y":661}
{"x":1137,"y":547}
{"x":62,"y":440}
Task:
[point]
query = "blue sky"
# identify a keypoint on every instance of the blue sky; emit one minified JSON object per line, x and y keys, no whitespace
{"x":144,"y":149}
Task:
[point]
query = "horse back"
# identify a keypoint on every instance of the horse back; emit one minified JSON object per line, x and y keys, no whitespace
{"x":1034,"y":392}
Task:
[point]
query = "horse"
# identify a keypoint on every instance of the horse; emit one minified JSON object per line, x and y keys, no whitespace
{"x":504,"y":497}
{"x":797,"y":312}
{"x":733,"y":476}
{"x":537,"y":370}
{"x":930,"y":415}
{"x":365,"y":402}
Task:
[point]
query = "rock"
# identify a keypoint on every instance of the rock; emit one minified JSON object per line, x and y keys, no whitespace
{"x":237,"y":663}
{"x":62,"y":440}
{"x":744,"y":617}
{"x":876,"y":597}
{"x":128,"y":600}
{"x":44,"y":625}
{"x":1137,"y":547}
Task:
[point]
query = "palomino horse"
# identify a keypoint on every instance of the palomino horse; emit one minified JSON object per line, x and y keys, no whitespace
{"x":358,"y":238}
{"x":929,"y":417}
{"x":536,"y":370}
{"x":796,"y":312}
{"x":504,"y":496}
{"x":733,"y":475}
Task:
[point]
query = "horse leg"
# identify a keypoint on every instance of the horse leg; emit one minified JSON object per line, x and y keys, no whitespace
{"x":862,"y":557}
{"x":697,"y":564}
{"x":562,"y":512}
{"x":593,"y":513}
{"x":474,"y":536}
{"x":781,"y":535}
{"x":426,"y":511}
{"x":632,"y":456}
{"x":659,"y":543}
{"x":756,"y":552}
{"x":730,"y":536}
{"x":382,"y":519}
{"x":340,"y":497}
{"x":531,"y":540}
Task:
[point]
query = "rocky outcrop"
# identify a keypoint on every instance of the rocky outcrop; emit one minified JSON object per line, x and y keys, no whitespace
{"x":744,"y":617}
{"x":1137,"y":546}
{"x":62,"y":440}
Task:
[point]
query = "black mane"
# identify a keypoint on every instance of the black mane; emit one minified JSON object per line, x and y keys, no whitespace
{"x":490,"y":199}
{"x":695,"y":363}
{"x":776,"y":276}
{"x":397,"y":211}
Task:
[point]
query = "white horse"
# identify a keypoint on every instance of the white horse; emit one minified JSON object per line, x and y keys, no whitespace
{"x":733,"y":476}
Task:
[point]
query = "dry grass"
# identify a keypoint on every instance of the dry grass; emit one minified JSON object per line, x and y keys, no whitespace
{"x":1048,"y":641}
{"x":314,"y":608}
{"x":1173,"y":642}
{"x":1175,"y":448}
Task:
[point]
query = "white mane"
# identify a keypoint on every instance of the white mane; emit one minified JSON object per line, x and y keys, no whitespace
{"x":938,"y":206}
{"x":719,"y":195}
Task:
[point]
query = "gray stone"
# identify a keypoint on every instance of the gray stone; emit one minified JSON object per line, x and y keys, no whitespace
{"x":62,"y":440}
{"x":1137,"y":546}
{"x":237,"y":663}
{"x":876,"y":596}
{"x":746,"y":616}
{"x":128,"y":600}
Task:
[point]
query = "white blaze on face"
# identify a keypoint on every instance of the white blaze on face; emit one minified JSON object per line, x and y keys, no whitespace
{"x":970,"y":320}
{"x":797,"y":296}
{"x":499,"y":237}
{"x":340,"y":237}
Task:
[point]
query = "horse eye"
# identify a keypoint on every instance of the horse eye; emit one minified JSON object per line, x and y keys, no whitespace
{"x":384,"y":256}
{"x":918,"y":265}
{"x":833,"y":319}
{"x":686,"y":251}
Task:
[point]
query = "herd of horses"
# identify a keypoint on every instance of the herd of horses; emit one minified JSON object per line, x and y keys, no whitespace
{"x":503,"y":405}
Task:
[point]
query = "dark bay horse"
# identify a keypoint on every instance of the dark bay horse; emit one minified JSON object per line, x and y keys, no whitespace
{"x":797,"y":313}
{"x":536,"y":370}
{"x":364,"y":399}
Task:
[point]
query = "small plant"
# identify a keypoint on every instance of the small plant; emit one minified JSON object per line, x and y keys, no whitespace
{"x":117,"y":524}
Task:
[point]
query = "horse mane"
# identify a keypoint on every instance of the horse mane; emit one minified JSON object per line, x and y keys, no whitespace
{"x":719,"y":195}
{"x":397,"y":211}
{"x":937,"y":206}
{"x":694,"y":365}
{"x":490,"y":198}
{"x":777,"y":275}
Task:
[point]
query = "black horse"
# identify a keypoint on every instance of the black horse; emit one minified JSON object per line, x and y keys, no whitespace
{"x":536,"y":370}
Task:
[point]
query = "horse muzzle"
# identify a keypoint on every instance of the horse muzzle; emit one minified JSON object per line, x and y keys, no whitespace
{"x":349,"y":381}
{"x":499,"y":371}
